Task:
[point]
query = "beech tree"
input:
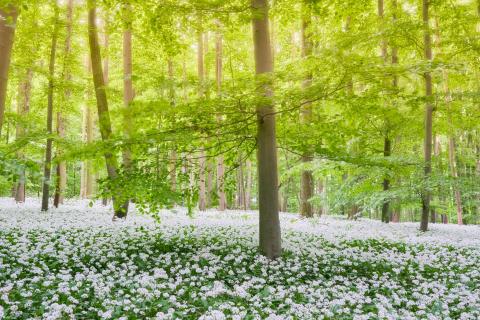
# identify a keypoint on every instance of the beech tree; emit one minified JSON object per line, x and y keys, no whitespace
{"x":102,"y":106}
{"x":344,"y":126}
{"x":61,"y":172}
{"x":51,"y":83}
{"x":426,"y":194}
{"x":270,"y":238}
{"x":306,"y":117}
{"x":8,"y":20}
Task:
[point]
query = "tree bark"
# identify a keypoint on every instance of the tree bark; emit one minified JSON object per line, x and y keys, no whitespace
{"x":202,"y":190}
{"x":307,"y":183}
{"x":451,"y":139}
{"x":87,"y":177}
{"x":248,"y":182}
{"x":240,"y":190}
{"x":8,"y":20}
{"x":173,"y":154}
{"x":128,"y":93}
{"x":426,"y":193}
{"x":222,"y":201}
{"x":454,"y":173}
{"x":48,"y":149}
{"x":23,"y":107}
{"x":270,"y":236}
{"x":102,"y":105}
{"x":387,"y":150}
{"x":61,"y":182}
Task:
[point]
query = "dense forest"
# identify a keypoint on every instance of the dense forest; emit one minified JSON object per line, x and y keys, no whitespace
{"x":352,"y":108}
{"x":239,"y":159}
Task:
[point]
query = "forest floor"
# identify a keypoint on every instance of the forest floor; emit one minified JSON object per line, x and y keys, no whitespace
{"x":75,"y":263}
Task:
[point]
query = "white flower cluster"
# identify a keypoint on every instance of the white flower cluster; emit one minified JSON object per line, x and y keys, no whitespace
{"x":75,"y":263}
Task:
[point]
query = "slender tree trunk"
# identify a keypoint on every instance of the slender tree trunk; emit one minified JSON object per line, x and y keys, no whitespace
{"x":128,"y":93}
{"x":61,"y":181}
{"x":453,"y":170}
{"x":106,"y":68}
{"x":270,"y":236}
{"x":387,"y":150}
{"x":240,"y":184}
{"x":48,"y":150}
{"x":426,"y":193}
{"x":102,"y":105}
{"x":173,"y":155}
{"x":87,"y":178}
{"x":202,"y":197}
{"x":395,"y":217}
{"x":208,"y":164}
{"x":451,"y":139}
{"x":248,"y":182}
{"x":8,"y":20}
{"x":437,"y":155}
{"x":222,"y":201}
{"x":307,"y":183}
{"x":23,"y":107}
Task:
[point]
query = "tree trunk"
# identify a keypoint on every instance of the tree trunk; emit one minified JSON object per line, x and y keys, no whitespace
{"x":61,"y":182}
{"x":395,"y":217}
{"x":87,"y":177}
{"x":270,"y":236}
{"x":173,"y":155}
{"x":102,"y":106}
{"x":23,"y":107}
{"x":128,"y":93}
{"x":436,"y":153}
{"x":451,"y":140}
{"x":202,"y":196}
{"x":8,"y":20}
{"x":240,"y":190}
{"x":248,"y":182}
{"x":426,"y":193}
{"x":453,"y":170}
{"x":48,"y":149}
{"x":222,"y":201}
{"x":307,"y":183}
{"x":387,"y":150}
{"x":106,"y":64}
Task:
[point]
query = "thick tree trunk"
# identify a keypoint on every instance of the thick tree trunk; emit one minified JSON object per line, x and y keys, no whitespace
{"x":23,"y":107}
{"x":61,"y":181}
{"x":48,"y":149}
{"x":222,"y":201}
{"x":102,"y":106}
{"x":270,"y":236}
{"x":202,"y":189}
{"x":426,"y":193}
{"x":8,"y":20}
{"x":307,"y":183}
